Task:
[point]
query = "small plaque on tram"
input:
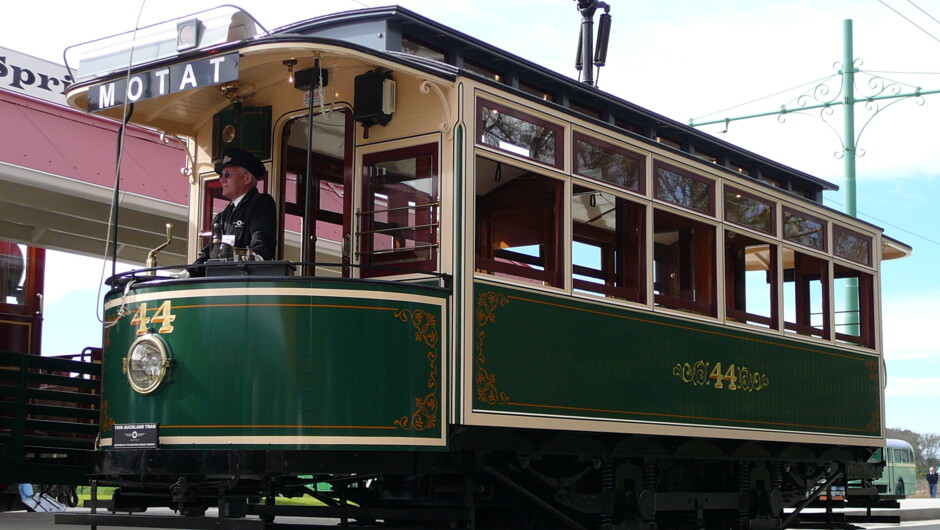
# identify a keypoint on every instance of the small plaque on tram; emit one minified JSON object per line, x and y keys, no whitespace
{"x":136,"y":435}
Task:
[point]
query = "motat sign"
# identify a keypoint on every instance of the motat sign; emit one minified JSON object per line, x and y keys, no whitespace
{"x":164,"y":81}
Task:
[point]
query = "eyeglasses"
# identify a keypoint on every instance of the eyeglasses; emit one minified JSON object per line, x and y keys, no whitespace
{"x":226,"y":174}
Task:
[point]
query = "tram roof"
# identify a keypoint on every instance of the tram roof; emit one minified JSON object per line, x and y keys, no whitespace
{"x":384,"y":31}
{"x":386,"y":28}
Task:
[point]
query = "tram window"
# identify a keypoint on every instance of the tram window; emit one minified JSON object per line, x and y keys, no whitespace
{"x":482,"y":70}
{"x":603,"y":161}
{"x":329,"y":162}
{"x":851,"y":245}
{"x":804,"y":229}
{"x":750,"y":280}
{"x":12,"y":273}
{"x":854,"y":306}
{"x":399,"y":217}
{"x":683,"y":188}
{"x":747,"y":210}
{"x":684,"y":263}
{"x":536,"y":91}
{"x":805,"y":294}
{"x":518,"y":223}
{"x":413,"y":47}
{"x":213,"y":202}
{"x":519,"y":133}
{"x":608,"y":250}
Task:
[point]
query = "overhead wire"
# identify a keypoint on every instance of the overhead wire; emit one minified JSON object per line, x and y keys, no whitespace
{"x":112,"y":228}
{"x":931,"y":35}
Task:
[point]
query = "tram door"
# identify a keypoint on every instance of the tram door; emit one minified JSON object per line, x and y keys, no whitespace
{"x":329,"y":205}
{"x":22,"y":271}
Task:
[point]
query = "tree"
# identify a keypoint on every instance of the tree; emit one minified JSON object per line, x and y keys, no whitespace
{"x":926,"y":447}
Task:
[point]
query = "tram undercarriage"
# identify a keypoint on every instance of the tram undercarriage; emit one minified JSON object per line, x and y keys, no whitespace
{"x":564,"y":482}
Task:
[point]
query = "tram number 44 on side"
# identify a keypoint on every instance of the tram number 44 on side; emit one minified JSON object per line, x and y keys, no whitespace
{"x":163,"y":316}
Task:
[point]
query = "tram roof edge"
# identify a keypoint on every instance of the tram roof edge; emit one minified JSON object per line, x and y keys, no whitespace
{"x":397,"y":21}
{"x":381,"y":30}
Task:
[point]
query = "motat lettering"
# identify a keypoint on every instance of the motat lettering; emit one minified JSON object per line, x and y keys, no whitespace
{"x":21,"y":77}
{"x":163,"y":81}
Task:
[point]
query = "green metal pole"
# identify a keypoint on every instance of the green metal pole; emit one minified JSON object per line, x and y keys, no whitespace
{"x":848,"y":88}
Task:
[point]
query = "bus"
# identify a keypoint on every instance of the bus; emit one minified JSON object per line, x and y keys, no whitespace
{"x":900,"y":473}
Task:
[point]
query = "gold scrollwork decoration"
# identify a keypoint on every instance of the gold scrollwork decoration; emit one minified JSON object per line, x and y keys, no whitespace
{"x":487,"y":392}
{"x":697,"y":373}
{"x":107,"y":422}
{"x":426,"y":409}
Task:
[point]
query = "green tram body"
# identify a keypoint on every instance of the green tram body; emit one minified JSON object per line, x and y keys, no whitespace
{"x":305,"y":348}
{"x":449,"y":365}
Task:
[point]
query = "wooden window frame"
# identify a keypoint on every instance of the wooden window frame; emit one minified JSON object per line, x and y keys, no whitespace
{"x":559,"y":131}
{"x":660,"y":165}
{"x":768,"y":202}
{"x":590,"y":140}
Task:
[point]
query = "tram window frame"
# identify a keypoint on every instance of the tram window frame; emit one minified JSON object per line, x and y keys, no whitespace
{"x":331,"y":225}
{"x":558,"y":142}
{"x":731,"y":193}
{"x":800,"y":239}
{"x":517,"y":235}
{"x":618,"y":266}
{"x":840,"y":250}
{"x":684,"y":263}
{"x":611,"y":151}
{"x":421,"y":225}
{"x":742,"y":255}
{"x":864,"y":295}
{"x":804,"y":290}
{"x":660,"y":190}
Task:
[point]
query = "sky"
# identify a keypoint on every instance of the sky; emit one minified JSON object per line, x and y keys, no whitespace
{"x":684,"y":59}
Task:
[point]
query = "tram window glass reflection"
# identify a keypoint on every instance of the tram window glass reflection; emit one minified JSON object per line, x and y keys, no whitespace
{"x":804,"y":229}
{"x":413,"y":47}
{"x":608,"y":249}
{"x":12,"y":273}
{"x":684,"y":263}
{"x":805,"y":294}
{"x":750,"y":280}
{"x":399,"y":217}
{"x":683,"y":188}
{"x":603,"y":161}
{"x":329,"y":160}
{"x":854,"y":306}
{"x":518,"y":133}
{"x":518,"y":223}
{"x":747,"y":210}
{"x":851,"y":245}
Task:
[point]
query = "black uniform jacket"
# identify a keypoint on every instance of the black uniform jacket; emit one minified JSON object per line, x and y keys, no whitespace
{"x":253,"y":223}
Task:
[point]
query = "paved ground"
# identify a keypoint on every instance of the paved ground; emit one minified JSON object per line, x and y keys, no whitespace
{"x":923,"y":514}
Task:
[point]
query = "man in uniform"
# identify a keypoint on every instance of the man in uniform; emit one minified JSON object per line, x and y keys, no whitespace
{"x":251,"y":217}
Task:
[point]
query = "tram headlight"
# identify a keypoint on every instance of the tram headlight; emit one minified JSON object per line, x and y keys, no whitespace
{"x":147,"y":364}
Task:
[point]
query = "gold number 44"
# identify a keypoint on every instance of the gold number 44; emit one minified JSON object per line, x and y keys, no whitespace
{"x":164,"y":316}
{"x":728,"y":376}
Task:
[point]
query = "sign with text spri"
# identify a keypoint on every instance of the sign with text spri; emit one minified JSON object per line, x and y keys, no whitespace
{"x":163,"y":81}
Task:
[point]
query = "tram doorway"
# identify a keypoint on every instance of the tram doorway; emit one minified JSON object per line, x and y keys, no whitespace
{"x":329,"y":205}
{"x":21,"y":291}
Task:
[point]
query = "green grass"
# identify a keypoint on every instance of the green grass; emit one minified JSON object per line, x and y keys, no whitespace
{"x":84,"y":494}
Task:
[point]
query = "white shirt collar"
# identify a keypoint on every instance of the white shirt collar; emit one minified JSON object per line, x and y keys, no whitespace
{"x":238,"y":200}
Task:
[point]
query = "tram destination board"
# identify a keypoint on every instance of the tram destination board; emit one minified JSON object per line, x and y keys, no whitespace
{"x":164,"y":81}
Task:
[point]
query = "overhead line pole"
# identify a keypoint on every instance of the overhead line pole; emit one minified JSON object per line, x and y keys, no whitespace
{"x":849,"y":141}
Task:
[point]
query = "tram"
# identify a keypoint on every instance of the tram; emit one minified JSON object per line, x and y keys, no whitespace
{"x":502,"y":298}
